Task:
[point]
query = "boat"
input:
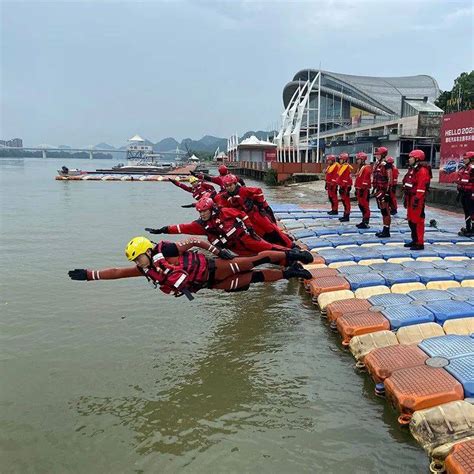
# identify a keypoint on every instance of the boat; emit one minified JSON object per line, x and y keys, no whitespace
{"x":65,"y":171}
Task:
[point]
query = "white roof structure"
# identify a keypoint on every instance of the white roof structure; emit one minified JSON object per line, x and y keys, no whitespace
{"x":136,"y":138}
{"x":193,"y":158}
{"x":253,"y":141}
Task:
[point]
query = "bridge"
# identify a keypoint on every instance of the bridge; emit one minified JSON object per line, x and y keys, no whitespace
{"x":91,"y":151}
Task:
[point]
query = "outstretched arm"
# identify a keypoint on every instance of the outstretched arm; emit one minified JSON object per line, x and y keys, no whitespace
{"x":187,"y":188}
{"x":82,"y":274}
{"x":193,"y":228}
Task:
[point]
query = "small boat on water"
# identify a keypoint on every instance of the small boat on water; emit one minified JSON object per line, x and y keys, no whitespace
{"x":65,"y":171}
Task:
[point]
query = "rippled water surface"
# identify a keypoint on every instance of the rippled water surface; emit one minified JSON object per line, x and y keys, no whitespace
{"x":117,"y":377}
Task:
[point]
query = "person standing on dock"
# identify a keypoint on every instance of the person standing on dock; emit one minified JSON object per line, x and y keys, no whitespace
{"x":344,"y":181}
{"x":415,"y":186}
{"x":381,"y":179}
{"x":393,"y":186}
{"x":198,"y":187}
{"x":465,"y":184}
{"x":362,"y":188}
{"x":331,"y":183}
{"x":253,"y":203}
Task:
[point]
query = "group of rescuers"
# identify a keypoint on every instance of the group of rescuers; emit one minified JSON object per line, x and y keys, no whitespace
{"x":242,"y":232}
{"x":380,"y":180}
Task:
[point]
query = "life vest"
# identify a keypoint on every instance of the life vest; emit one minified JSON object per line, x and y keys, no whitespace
{"x":380,"y":175}
{"x":199,"y":191}
{"x":188,"y":276}
{"x":465,"y":179}
{"x":344,"y":179}
{"x":362,"y":180}
{"x":331,"y":173}
{"x":221,"y":229}
{"x":244,"y":198}
{"x":411,"y":184}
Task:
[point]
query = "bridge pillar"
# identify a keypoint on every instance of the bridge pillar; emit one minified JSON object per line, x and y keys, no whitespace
{"x":90,"y":155}
{"x":44,"y":153}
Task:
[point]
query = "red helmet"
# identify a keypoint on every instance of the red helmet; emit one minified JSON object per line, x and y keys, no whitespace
{"x":390,"y":160}
{"x":204,"y":204}
{"x":469,"y":154}
{"x":419,"y":155}
{"x":361,"y":156}
{"x":229,"y":179}
{"x":223,"y":170}
{"x":344,"y":156}
{"x":331,"y":158}
{"x":381,"y":150}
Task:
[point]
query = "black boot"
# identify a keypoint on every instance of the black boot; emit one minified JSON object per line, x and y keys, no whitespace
{"x":417,"y":247}
{"x":385,"y":232}
{"x":344,"y":218}
{"x":333,"y":213}
{"x":295,"y":272}
{"x":296,"y":255}
{"x":394,"y":212}
{"x":409,"y":244}
{"x":363,"y":225}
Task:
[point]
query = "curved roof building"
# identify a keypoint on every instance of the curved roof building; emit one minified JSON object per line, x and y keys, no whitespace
{"x":378,"y":95}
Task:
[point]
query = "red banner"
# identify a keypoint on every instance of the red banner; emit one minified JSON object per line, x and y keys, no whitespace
{"x":270,"y":155}
{"x":457,"y":137}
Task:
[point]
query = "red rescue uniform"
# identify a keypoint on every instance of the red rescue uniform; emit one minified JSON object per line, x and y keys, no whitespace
{"x":381,"y":180}
{"x":331,"y":184}
{"x":465,"y":184}
{"x":178,"y":271}
{"x":227,"y":228}
{"x":393,"y":190}
{"x":197,"y":191}
{"x":344,"y":181}
{"x":253,"y":203}
{"x":415,"y":186}
{"x":362,"y":189}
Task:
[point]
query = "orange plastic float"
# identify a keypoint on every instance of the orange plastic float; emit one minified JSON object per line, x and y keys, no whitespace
{"x":355,"y":324}
{"x":340,"y":308}
{"x":382,"y":362}
{"x":326,"y":284}
{"x":461,"y":458}
{"x":416,"y":388}
{"x":320,"y":273}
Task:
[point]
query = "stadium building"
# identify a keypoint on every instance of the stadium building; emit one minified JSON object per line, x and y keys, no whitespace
{"x":327,"y":112}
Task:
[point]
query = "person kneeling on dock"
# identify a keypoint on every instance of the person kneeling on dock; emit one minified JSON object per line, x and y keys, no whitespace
{"x":253,"y":203}
{"x":176,"y":270}
{"x":227,"y":228}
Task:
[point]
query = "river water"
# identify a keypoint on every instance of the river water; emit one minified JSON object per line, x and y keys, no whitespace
{"x":117,"y":377}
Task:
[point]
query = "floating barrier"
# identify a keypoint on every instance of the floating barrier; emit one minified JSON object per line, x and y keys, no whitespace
{"x":117,"y":178}
{"x":408,"y":319}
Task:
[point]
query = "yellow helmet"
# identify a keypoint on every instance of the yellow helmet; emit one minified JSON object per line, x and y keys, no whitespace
{"x":137,"y":246}
{"x":192,"y":179}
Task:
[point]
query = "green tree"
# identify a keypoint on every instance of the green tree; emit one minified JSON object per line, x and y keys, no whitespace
{"x":460,"y":97}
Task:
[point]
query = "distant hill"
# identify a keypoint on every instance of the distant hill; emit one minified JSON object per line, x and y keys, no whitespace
{"x":166,"y":144}
{"x":104,"y":146}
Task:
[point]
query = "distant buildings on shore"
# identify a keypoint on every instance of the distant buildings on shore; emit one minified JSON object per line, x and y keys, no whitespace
{"x":14,"y":142}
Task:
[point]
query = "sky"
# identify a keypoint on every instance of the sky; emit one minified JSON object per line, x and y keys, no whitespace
{"x":84,"y":72}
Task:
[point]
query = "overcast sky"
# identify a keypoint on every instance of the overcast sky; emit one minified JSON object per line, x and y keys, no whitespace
{"x":79,"y":73}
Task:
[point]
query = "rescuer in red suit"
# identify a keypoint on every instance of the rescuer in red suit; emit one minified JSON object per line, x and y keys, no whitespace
{"x":176,"y":270}
{"x":362,"y":188}
{"x":381,"y":180}
{"x":253,"y":203}
{"x":393,"y":186}
{"x":229,"y":228}
{"x":331,"y":183}
{"x":198,"y":188}
{"x":223,"y":171}
{"x":415,"y":186}
{"x":465,"y":184}
{"x":344,"y":181}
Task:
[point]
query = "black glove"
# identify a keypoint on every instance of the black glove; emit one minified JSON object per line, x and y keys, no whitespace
{"x":269,"y":211}
{"x":189,"y":205}
{"x":249,"y":204}
{"x":416,"y":202}
{"x":226,"y":254}
{"x":161,"y":230}
{"x":325,"y":185}
{"x":79,"y":274}
{"x":193,"y":173}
